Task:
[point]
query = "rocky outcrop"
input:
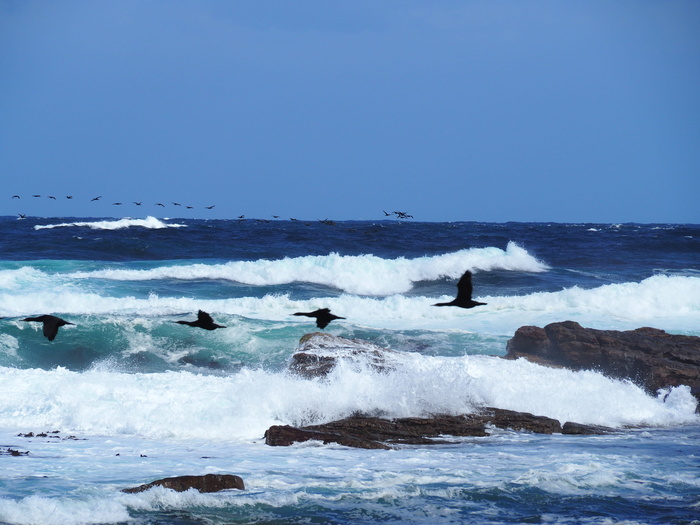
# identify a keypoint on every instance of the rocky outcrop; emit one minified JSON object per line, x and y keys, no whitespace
{"x":206,"y":483}
{"x":649,"y":357}
{"x":379,"y":433}
{"x":318,"y":353}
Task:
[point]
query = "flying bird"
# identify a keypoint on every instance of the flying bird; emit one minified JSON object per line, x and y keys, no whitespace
{"x":160,"y":204}
{"x":51,"y":324}
{"x":210,"y":207}
{"x":464,"y":293}
{"x":96,"y":198}
{"x":323,"y":316}
{"x":15,"y":197}
{"x":204,"y":320}
{"x":22,"y":216}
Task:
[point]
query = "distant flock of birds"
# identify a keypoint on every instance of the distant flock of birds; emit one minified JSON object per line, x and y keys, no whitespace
{"x":323,"y":316}
{"x":397,"y":214}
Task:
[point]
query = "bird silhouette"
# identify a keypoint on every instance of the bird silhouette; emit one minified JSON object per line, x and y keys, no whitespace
{"x":15,"y":197}
{"x":323,"y":316}
{"x":51,"y":324}
{"x":464,"y":293}
{"x":96,"y":198}
{"x":204,"y":320}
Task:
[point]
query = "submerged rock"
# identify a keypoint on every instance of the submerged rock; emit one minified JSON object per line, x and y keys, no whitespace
{"x":318,"y":353}
{"x":649,"y":357}
{"x":206,"y":483}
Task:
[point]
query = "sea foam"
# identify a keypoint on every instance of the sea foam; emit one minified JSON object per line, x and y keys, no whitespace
{"x":354,"y":274}
{"x":148,"y":223}
{"x":243,"y":405}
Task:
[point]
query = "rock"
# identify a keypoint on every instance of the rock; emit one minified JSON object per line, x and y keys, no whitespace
{"x":585,"y":430}
{"x":318,"y":353}
{"x":285,"y":435}
{"x":378,"y":433}
{"x":649,"y":357}
{"x":206,"y":483}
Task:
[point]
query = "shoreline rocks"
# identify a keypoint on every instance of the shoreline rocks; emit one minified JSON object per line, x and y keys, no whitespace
{"x":649,"y":357}
{"x":370,"y":432}
{"x":206,"y":483}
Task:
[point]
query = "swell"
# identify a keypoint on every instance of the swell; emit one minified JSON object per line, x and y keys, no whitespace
{"x":355,"y":274}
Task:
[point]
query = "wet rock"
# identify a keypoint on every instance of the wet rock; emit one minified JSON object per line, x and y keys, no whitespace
{"x":318,"y":353}
{"x":285,"y":435}
{"x":585,"y":430}
{"x":649,"y":357}
{"x":206,"y":483}
{"x":378,"y":433}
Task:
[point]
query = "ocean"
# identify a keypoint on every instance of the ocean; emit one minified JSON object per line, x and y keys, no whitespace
{"x":126,"y":395}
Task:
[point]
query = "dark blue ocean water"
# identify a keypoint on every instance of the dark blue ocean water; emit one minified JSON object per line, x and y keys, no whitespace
{"x":172,"y":400}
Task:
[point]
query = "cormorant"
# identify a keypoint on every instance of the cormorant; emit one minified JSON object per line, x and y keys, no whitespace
{"x":51,"y":324}
{"x":323,"y":316}
{"x":204,"y":320}
{"x":464,"y":293}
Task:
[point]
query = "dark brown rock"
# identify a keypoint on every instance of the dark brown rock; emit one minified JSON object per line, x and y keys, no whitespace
{"x":379,"y":433}
{"x":206,"y":483}
{"x":585,"y":430}
{"x":649,"y":357}
{"x":285,"y":435}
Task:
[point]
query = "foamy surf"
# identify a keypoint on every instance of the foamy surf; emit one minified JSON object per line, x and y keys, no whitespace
{"x":355,"y":274}
{"x":665,"y":302}
{"x":149,"y":223}
{"x":242,"y":406}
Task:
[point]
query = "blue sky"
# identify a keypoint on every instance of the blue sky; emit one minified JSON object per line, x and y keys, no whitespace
{"x":576,"y":111}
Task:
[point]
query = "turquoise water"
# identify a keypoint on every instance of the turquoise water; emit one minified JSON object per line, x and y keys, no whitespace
{"x":135,"y":396}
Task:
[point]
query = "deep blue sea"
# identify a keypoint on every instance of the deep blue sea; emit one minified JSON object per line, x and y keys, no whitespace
{"x":126,"y":395}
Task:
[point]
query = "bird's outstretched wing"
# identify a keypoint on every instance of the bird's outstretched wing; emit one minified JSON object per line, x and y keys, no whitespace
{"x":204,"y":317}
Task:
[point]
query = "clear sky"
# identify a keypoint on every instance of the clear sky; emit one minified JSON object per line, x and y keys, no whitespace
{"x":566,"y":111}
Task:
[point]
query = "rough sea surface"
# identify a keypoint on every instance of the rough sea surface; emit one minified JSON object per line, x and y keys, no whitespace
{"x":126,"y":395}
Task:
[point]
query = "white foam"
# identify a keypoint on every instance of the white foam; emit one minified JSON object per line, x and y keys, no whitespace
{"x":355,"y":274}
{"x":662,"y":301}
{"x":148,"y":222}
{"x":242,"y":406}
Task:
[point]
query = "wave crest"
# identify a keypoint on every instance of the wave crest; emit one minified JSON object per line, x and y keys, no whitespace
{"x":149,"y":223}
{"x":354,"y":274}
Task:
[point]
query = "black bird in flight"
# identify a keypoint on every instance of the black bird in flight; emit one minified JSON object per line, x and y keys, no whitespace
{"x":15,"y":197}
{"x":51,"y":324}
{"x":323,"y":316}
{"x":96,"y":198}
{"x":210,"y":207}
{"x":204,"y":320}
{"x":464,"y":293}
